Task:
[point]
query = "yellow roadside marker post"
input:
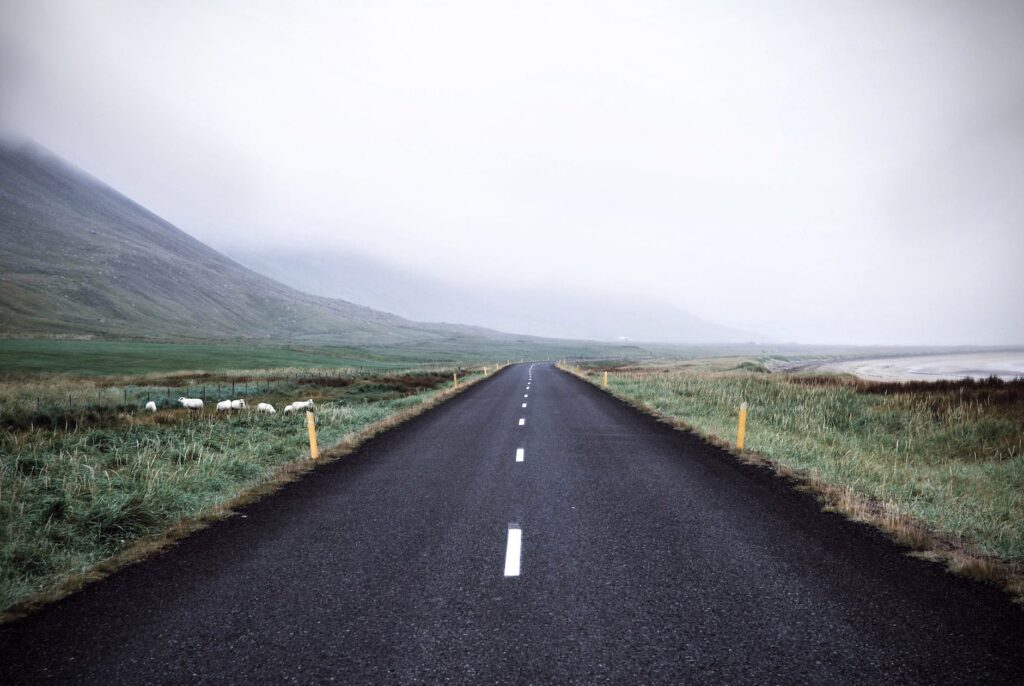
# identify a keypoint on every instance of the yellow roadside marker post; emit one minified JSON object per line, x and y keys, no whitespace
{"x":314,"y":451}
{"x":742,"y":430}
{"x":455,"y":379}
{"x":606,"y":379}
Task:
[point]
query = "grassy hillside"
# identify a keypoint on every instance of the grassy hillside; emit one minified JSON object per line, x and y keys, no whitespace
{"x":76,"y":257}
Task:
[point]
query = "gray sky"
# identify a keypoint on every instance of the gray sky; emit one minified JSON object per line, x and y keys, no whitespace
{"x":846,"y":172}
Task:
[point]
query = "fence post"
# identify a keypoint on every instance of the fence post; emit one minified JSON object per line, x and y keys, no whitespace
{"x":314,"y":451}
{"x":742,"y":429}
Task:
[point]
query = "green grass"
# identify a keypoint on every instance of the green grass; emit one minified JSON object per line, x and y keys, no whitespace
{"x":103,"y":357}
{"x":77,"y":492}
{"x":948,"y":455}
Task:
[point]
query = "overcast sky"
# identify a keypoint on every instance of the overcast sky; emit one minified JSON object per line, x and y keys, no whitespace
{"x":846,"y":172}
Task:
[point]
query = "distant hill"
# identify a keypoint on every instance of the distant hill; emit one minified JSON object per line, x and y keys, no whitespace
{"x":77,"y":257}
{"x":563,"y":313}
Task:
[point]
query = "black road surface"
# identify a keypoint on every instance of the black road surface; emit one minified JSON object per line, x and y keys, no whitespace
{"x":648,"y":557}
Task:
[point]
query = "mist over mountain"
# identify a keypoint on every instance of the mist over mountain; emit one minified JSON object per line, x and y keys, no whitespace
{"x":79,"y":258}
{"x":538,"y":312}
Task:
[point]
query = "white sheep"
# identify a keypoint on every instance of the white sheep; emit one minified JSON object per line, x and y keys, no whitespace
{"x":266,"y":407}
{"x":289,"y":408}
{"x":151,"y":406}
{"x":191,"y":403}
{"x":237,"y":404}
{"x":302,"y":405}
{"x":224,"y":406}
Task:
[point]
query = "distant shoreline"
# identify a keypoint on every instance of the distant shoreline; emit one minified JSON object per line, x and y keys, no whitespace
{"x":1006,"y":365}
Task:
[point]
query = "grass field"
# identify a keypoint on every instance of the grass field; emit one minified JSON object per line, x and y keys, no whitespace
{"x":947,"y":454}
{"x":80,"y":485}
{"x":102,"y":357}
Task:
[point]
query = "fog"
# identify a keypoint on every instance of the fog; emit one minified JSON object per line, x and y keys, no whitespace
{"x":821,"y":172}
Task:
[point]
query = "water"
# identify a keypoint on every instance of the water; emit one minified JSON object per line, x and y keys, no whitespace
{"x":1005,"y":365}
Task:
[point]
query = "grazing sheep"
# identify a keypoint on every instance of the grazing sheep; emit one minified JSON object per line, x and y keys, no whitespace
{"x":151,"y":406}
{"x":289,"y":408}
{"x":266,"y":407}
{"x":302,"y":405}
{"x":237,"y":404}
{"x":191,"y":403}
{"x":224,"y":406}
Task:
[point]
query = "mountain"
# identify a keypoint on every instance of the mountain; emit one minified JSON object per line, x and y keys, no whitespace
{"x":556,"y":314}
{"x":77,"y":257}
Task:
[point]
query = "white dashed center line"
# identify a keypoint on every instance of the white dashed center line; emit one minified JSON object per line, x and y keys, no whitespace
{"x":514,"y":550}
{"x":524,"y":404}
{"x":520,"y":454}
{"x":522,"y":421}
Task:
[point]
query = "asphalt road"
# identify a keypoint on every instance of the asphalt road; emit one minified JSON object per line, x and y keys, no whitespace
{"x":647,"y":556}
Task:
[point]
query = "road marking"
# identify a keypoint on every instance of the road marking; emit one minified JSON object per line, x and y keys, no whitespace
{"x":514,"y":550}
{"x":520,"y":454}
{"x":524,"y":404}
{"x":522,"y":421}
{"x":526,"y":395}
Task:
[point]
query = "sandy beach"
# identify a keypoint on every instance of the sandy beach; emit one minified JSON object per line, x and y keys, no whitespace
{"x":1003,"y":364}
